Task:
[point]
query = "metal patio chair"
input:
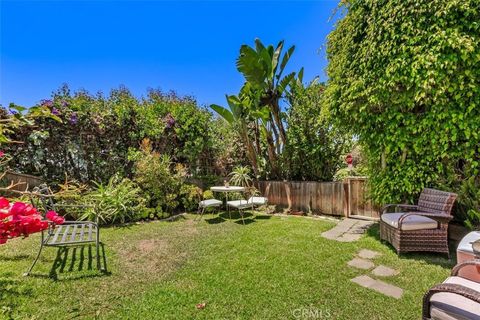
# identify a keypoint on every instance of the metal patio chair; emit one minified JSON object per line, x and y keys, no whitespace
{"x":68,"y":234}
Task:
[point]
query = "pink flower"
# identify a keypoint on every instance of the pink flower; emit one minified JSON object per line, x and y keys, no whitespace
{"x":2,"y":154}
{"x":4,"y":203}
{"x":18,"y":208}
{"x":54,"y":217}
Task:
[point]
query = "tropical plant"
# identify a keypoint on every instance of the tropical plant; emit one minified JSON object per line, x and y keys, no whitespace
{"x":255,"y":112}
{"x":241,"y":176}
{"x":404,"y":78}
{"x":118,"y":201}
{"x":263,"y":68}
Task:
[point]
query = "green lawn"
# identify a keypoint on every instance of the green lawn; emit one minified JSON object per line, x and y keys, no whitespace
{"x":266,"y":269}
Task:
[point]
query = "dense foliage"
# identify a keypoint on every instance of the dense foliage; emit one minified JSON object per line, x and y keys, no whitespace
{"x":315,"y":147}
{"x":282,"y":142}
{"x":96,"y":134}
{"x":404,"y":76}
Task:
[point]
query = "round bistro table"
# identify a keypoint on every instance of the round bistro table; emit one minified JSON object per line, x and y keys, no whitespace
{"x":226,"y":190}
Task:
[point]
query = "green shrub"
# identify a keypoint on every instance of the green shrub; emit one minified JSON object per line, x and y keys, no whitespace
{"x":208,"y":194}
{"x":190,"y":196}
{"x":118,"y":201}
{"x":159,"y":178}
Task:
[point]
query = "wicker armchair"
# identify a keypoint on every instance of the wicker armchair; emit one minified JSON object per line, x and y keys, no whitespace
{"x":455,"y":298}
{"x":421,"y":227}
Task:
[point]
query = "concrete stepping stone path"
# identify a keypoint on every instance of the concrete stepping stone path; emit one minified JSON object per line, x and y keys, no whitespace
{"x":360,"y":263}
{"x":348,"y":230}
{"x":379,"y":286}
{"x":383,"y":271}
{"x":368,"y":254}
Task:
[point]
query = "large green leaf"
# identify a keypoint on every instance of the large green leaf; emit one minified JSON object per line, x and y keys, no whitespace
{"x":223,"y":112}
{"x":286,"y":58}
{"x":285,"y":82}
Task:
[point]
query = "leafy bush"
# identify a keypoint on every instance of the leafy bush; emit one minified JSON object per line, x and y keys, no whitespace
{"x":314,"y":146}
{"x":404,"y":78}
{"x":118,"y":201}
{"x":90,"y":136}
{"x":469,"y":202}
{"x":190,"y":196}
{"x":159,"y":178}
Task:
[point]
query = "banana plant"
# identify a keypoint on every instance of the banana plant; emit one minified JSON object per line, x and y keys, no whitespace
{"x":263,"y":67}
{"x":237,"y":117}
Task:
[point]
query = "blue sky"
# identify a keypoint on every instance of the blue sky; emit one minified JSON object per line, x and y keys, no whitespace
{"x":186,"y":46}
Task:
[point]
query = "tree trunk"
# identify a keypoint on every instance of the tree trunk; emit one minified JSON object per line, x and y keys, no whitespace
{"x":250,"y":149}
{"x":278,"y":120}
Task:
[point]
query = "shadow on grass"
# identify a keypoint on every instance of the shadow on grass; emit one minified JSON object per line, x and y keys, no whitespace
{"x":429,"y":257}
{"x":235,"y":215}
{"x":215,"y":220}
{"x":70,"y":260}
{"x":263,"y":217}
{"x":17,"y":257}
{"x":245,"y":221}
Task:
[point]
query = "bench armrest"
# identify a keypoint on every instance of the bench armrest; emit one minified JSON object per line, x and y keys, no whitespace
{"x":406,"y":206}
{"x":449,"y":288}
{"x":460,"y":266}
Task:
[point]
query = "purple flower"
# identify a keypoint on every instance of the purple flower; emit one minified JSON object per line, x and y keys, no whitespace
{"x":64,"y":103}
{"x":47,"y":103}
{"x":55,"y":111}
{"x":169,"y":120}
{"x":74,"y":118}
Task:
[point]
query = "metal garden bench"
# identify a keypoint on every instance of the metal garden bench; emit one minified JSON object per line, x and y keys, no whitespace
{"x":70,"y":233}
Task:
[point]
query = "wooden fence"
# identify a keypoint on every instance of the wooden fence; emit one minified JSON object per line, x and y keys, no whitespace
{"x":21,"y":181}
{"x":346,"y":198}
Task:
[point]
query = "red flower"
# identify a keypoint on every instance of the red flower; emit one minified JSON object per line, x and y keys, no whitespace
{"x":54,"y":217}
{"x":4,"y":203}
{"x":18,"y":208}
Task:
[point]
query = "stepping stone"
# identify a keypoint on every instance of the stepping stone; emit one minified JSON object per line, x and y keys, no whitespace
{"x":368,"y":254}
{"x":379,"y":286}
{"x":361,"y":264}
{"x":349,"y":237}
{"x":348,"y":230}
{"x":382,"y":271}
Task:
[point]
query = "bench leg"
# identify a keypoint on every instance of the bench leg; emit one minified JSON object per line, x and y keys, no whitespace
{"x":241,"y":214}
{"x":97,"y":247}
{"x":200,"y":214}
{"x":36,"y":258}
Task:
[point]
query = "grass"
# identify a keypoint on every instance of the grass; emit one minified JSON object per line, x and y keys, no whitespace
{"x":267,"y":269}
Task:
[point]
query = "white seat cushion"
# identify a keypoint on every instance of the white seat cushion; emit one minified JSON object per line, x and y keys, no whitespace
{"x":210,"y":203}
{"x":451,"y":306}
{"x":258,"y":201}
{"x":239,"y":204}
{"x":466,"y":244}
{"x":413,"y":222}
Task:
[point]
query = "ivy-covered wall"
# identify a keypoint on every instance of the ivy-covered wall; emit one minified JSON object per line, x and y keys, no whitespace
{"x":404,"y":76}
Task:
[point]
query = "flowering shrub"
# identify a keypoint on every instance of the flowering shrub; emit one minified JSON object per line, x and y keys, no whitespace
{"x":22,"y":219}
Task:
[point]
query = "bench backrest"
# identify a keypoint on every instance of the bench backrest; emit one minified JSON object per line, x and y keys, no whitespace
{"x":436,"y":201}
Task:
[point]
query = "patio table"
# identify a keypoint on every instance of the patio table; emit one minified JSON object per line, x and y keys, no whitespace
{"x":226,"y":190}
